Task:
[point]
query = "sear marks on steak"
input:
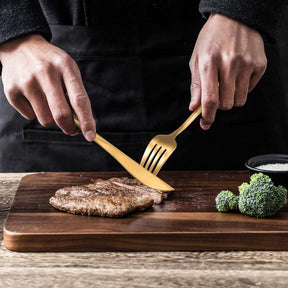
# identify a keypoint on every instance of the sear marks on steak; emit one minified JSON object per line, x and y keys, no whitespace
{"x":114,"y":197}
{"x":134,"y":184}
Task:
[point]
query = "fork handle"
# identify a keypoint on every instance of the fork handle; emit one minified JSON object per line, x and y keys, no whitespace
{"x":190,"y":119}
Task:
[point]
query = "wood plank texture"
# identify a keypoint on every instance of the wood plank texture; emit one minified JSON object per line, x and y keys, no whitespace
{"x":143,"y":278}
{"x":187,"y":220}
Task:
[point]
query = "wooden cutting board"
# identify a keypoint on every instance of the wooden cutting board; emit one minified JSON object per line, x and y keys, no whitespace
{"x":187,"y":219}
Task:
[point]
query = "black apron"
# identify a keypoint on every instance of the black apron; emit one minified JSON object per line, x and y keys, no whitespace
{"x":137,"y":76}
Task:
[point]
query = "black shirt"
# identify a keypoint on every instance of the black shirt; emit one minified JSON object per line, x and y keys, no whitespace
{"x":24,"y":17}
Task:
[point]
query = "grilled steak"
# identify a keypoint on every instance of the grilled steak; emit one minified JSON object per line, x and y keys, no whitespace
{"x":112,"y":198}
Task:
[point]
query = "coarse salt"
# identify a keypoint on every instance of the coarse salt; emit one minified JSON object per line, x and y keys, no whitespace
{"x":274,"y":167}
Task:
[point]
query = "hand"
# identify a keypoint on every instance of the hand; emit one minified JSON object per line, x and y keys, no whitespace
{"x":227,"y":62}
{"x":36,"y":75}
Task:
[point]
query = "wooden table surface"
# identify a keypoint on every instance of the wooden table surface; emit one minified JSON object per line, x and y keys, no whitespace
{"x":145,"y":269}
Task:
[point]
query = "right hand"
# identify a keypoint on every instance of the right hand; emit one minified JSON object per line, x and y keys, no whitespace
{"x":227,"y":62}
{"x":36,"y":75}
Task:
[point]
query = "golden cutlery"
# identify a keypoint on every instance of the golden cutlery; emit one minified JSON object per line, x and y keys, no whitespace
{"x":136,"y":170}
{"x":161,"y":147}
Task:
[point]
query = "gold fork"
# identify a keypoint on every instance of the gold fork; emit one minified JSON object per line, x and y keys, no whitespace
{"x":161,"y":147}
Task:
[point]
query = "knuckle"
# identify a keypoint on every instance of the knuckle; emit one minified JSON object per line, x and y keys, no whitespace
{"x":208,"y":120}
{"x":80,"y":100}
{"x":210,"y":100}
{"x":86,"y":123}
{"x":232,"y":58}
{"x":247,"y":61}
{"x":52,"y":94}
{"x":240,"y":98}
{"x":226,"y":106}
{"x":239,"y":103}
{"x":261,"y":66}
{"x":47,"y":122}
{"x":26,"y":81}
{"x":11,"y":91}
{"x":62,"y":116}
{"x":43,"y":67}
{"x":207,"y":62}
{"x":64,"y":61}
{"x":193,"y":87}
{"x":192,"y":63}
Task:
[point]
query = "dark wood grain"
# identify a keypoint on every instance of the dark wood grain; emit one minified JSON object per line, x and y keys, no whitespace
{"x":186,"y":221}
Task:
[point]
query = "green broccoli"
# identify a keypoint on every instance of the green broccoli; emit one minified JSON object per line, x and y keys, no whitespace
{"x":259,"y":198}
{"x":226,"y":201}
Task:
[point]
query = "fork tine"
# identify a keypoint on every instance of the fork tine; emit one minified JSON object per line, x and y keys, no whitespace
{"x":150,"y":147}
{"x":151,"y":156}
{"x":154,"y":161}
{"x":161,"y":162}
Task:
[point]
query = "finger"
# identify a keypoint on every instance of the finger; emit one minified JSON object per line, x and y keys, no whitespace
{"x":58,"y":105}
{"x":24,"y":108}
{"x":20,"y":103}
{"x":241,"y":89}
{"x":195,"y":88}
{"x":226,"y":88}
{"x":209,"y":94}
{"x":35,"y":96}
{"x":80,"y":101}
{"x":256,"y":76}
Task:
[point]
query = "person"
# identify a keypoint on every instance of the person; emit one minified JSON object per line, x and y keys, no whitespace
{"x":128,"y":65}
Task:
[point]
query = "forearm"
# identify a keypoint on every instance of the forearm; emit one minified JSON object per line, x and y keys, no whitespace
{"x":266,"y":16}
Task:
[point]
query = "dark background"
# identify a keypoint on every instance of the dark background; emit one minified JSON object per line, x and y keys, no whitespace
{"x":283,"y":49}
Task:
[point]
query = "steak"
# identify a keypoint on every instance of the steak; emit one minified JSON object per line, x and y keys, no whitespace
{"x":114,"y":197}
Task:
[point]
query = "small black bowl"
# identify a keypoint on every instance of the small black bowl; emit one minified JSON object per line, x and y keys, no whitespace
{"x":278,"y":177}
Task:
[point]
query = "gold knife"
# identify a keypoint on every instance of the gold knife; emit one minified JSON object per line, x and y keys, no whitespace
{"x":135,"y":169}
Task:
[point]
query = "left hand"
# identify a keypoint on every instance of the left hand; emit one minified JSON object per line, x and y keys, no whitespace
{"x":227,"y":62}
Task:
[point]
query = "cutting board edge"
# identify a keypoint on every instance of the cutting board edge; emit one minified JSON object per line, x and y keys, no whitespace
{"x":157,"y":242}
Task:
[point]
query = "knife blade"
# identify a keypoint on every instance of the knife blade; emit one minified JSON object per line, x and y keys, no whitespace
{"x":135,"y":169}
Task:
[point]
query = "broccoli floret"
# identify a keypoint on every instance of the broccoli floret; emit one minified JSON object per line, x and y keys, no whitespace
{"x":243,"y":187}
{"x":226,"y":201}
{"x":259,"y":178}
{"x":259,"y":198}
